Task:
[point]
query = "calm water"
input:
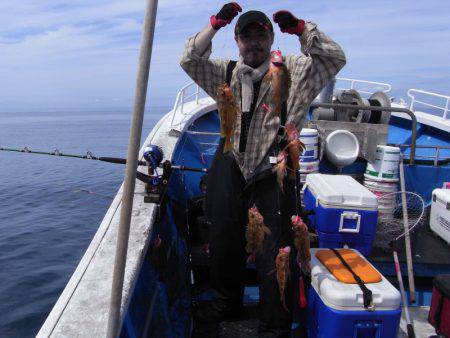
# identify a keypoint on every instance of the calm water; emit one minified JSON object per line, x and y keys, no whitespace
{"x":51,"y":207}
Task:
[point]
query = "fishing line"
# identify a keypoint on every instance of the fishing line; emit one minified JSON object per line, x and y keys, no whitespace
{"x":58,"y":153}
{"x":90,"y":156}
{"x":296,"y":194}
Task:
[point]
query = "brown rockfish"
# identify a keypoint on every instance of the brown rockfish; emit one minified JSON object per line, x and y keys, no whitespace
{"x":255,"y":233}
{"x":280,"y":79}
{"x":228,"y":110}
{"x":301,"y":242}
{"x":282,"y":266}
{"x":294,"y":149}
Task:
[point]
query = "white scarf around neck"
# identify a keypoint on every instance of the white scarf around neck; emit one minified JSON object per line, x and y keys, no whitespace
{"x":248,"y":75}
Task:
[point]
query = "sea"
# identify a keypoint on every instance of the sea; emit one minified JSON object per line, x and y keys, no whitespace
{"x":51,"y":206}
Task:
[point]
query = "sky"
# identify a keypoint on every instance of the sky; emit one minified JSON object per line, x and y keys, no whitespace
{"x":82,"y":54}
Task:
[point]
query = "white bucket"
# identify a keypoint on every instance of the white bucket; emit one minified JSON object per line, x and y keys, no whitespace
{"x":309,"y":167}
{"x":310,"y":138}
{"x":380,"y":185}
{"x":381,"y":188}
{"x":385,"y":213}
{"x":386,"y":203}
{"x":385,"y":166}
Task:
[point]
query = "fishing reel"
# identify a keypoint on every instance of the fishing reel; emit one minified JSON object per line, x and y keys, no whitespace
{"x":153,"y":155}
{"x":155,"y":184}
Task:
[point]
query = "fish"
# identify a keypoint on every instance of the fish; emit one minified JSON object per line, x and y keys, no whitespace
{"x":279,"y":77}
{"x":283,"y":272}
{"x":255,"y":233}
{"x":291,"y":132}
{"x":228,"y":111}
{"x":294,"y":149}
{"x":301,"y":242}
{"x":281,"y":167}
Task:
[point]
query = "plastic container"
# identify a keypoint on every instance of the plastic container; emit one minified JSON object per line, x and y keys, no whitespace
{"x":384,"y":192}
{"x":341,"y":148}
{"x":380,"y":188}
{"x":310,"y":138}
{"x":309,"y":167}
{"x":385,"y":166}
{"x":304,"y":175}
{"x":335,"y":308}
{"x":385,"y":213}
{"x":440,"y":213}
{"x":362,"y":243}
{"x":345,"y":212}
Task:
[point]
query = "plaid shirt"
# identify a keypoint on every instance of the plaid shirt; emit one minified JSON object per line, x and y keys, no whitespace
{"x":322,"y":59}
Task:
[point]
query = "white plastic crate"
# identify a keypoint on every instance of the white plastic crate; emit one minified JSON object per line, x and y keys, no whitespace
{"x":440,"y":213}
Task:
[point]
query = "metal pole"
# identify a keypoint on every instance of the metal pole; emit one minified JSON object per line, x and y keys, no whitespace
{"x":412,"y":289}
{"x":409,"y":326}
{"x":115,"y":320}
{"x":391,"y":109}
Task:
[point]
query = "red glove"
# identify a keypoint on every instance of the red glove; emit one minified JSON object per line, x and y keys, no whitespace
{"x":225,"y":15}
{"x":289,"y":23}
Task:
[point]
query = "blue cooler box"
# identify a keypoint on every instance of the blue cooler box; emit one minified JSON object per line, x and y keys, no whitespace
{"x":344,"y":211}
{"x":335,"y":309}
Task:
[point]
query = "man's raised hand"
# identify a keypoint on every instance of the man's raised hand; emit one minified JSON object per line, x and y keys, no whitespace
{"x":225,"y":15}
{"x":288,"y":22}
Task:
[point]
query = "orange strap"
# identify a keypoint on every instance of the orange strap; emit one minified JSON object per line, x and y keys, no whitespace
{"x":359,"y":265}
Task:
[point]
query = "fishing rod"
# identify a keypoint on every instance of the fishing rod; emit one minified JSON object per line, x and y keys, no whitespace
{"x":148,"y":155}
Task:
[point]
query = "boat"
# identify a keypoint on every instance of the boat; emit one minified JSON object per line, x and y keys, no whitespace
{"x":157,"y":242}
{"x":167,"y":260}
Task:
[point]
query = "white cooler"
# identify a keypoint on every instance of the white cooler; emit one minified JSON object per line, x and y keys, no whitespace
{"x":440,"y":213}
{"x":335,"y":306}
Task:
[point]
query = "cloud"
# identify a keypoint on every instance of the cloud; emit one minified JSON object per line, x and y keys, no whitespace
{"x":71,"y":53}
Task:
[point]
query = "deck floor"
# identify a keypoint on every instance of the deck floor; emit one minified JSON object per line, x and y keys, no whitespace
{"x":419,"y":316}
{"x":247,"y":325}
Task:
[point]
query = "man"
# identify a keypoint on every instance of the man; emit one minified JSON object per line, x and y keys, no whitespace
{"x":244,"y":177}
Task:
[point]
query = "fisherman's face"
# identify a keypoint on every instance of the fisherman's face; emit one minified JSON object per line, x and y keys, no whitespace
{"x":254,"y":44}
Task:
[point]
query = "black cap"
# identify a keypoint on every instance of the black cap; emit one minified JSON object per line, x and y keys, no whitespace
{"x":252,"y":17}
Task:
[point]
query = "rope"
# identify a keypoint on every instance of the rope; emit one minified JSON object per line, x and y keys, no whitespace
{"x":367,"y":294}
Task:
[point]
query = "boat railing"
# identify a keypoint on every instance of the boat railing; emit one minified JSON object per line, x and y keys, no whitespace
{"x":412,"y":93}
{"x":436,"y":158}
{"x":183,"y":97}
{"x":355,"y":83}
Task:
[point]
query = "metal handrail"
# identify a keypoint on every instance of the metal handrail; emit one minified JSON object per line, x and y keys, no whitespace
{"x":414,"y":100}
{"x":437,"y":151}
{"x":375,"y":108}
{"x":181,"y":95}
{"x":355,"y":81}
{"x":181,"y":98}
